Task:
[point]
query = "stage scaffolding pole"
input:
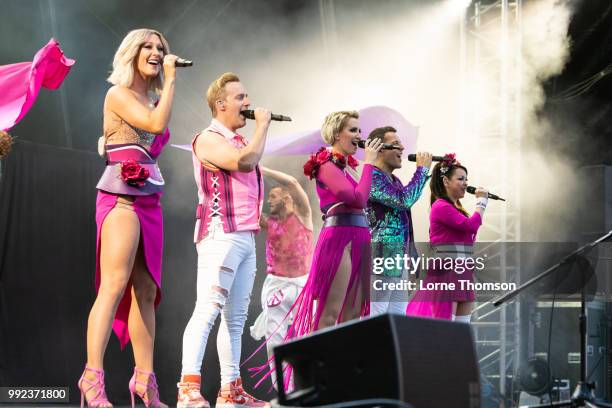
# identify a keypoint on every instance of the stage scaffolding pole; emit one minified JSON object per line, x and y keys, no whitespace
{"x":491,"y":51}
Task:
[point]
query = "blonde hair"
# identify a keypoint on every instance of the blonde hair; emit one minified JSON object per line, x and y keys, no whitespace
{"x":127,"y":53}
{"x":216,"y":90}
{"x":334,"y":123}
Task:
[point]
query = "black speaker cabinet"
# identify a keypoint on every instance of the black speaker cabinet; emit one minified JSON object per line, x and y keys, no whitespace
{"x":426,"y":363}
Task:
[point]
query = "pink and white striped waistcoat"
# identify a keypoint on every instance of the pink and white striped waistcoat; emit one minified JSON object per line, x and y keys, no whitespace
{"x":236,"y":197}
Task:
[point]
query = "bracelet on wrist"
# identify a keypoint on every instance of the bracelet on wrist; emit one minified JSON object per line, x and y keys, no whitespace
{"x":482,"y":202}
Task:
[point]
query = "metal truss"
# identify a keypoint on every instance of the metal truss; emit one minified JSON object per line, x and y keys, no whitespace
{"x":491,"y":89}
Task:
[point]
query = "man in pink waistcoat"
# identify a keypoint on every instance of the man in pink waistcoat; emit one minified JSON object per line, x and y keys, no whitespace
{"x":230,"y":193}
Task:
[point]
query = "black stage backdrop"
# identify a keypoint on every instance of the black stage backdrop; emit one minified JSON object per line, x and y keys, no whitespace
{"x":47,"y":264}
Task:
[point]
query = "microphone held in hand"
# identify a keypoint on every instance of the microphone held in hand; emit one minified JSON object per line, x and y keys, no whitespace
{"x":412,"y":157}
{"x":180,"y":62}
{"x":361,"y":144}
{"x":472,"y":190}
{"x":250,"y":114}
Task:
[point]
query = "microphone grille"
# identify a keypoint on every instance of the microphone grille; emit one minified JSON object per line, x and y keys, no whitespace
{"x":471,"y":189}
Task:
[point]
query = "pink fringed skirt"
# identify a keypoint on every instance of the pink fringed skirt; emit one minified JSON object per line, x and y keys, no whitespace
{"x":325,"y":262}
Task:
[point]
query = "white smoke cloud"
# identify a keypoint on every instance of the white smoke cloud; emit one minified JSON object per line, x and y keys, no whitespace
{"x":410,"y":61}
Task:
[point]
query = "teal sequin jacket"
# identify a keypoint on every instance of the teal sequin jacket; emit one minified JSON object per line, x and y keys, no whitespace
{"x":389,"y":214}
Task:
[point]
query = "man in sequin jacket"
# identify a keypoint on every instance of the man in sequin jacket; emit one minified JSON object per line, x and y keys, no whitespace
{"x":391,"y":222}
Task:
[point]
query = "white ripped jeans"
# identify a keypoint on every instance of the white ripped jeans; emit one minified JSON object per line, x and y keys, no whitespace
{"x":226,"y":271}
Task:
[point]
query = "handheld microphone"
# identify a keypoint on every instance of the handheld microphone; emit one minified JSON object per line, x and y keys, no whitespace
{"x":250,"y":114}
{"x":472,"y":190}
{"x":361,"y":144}
{"x":180,"y":62}
{"x":412,"y":157}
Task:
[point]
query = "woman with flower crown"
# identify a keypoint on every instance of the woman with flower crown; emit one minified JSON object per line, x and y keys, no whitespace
{"x":452,"y":232}
{"x":128,"y":214}
{"x":337,"y":287}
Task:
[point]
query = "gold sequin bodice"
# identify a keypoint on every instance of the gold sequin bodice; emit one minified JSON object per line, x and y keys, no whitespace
{"x":118,"y":131}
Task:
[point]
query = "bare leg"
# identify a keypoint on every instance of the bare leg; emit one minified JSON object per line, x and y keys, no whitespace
{"x":462,"y":308}
{"x":337,"y":294}
{"x":141,"y":321}
{"x":119,"y":241}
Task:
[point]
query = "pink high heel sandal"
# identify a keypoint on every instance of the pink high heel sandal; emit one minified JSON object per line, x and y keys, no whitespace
{"x":86,"y":385}
{"x":150,"y":384}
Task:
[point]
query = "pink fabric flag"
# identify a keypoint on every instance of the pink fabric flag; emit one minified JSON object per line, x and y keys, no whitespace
{"x":21,"y":82}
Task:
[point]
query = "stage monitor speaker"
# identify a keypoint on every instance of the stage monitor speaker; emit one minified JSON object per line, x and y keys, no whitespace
{"x":426,"y":363}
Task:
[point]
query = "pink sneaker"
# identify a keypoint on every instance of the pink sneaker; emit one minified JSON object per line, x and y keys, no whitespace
{"x":232,"y":395}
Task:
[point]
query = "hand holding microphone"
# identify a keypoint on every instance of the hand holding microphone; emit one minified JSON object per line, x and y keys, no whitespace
{"x":423,"y":159}
{"x":482,"y":196}
{"x":262,"y":117}
{"x":471,"y":189}
{"x":480,"y":192}
{"x":180,"y":62}
{"x":250,"y":114}
{"x":372,"y":147}
{"x":170,"y":66}
{"x":385,"y":146}
{"x":171,"y":62}
{"x":413,"y":157}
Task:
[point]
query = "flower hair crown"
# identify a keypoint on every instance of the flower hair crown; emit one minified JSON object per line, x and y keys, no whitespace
{"x":448,"y":162}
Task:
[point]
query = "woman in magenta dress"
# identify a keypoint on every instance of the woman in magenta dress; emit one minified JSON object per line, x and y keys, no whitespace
{"x":337,"y":289}
{"x":129,"y":215}
{"x":452,"y":232}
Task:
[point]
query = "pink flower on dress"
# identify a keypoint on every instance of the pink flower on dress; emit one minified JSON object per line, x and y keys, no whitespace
{"x":133,"y":173}
{"x":311,"y":167}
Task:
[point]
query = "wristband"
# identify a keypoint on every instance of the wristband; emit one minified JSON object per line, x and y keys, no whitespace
{"x":482,"y":202}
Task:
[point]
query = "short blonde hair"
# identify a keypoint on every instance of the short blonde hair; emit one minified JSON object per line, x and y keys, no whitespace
{"x":334,"y":123}
{"x":216,"y":90}
{"x":127,"y":53}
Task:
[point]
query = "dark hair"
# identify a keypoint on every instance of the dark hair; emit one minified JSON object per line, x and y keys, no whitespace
{"x":379,"y":133}
{"x":283,"y":190}
{"x":436,"y":185}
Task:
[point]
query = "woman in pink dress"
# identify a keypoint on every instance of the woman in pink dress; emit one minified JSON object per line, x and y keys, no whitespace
{"x":129,"y":215}
{"x":337,"y":289}
{"x":452,"y":232}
